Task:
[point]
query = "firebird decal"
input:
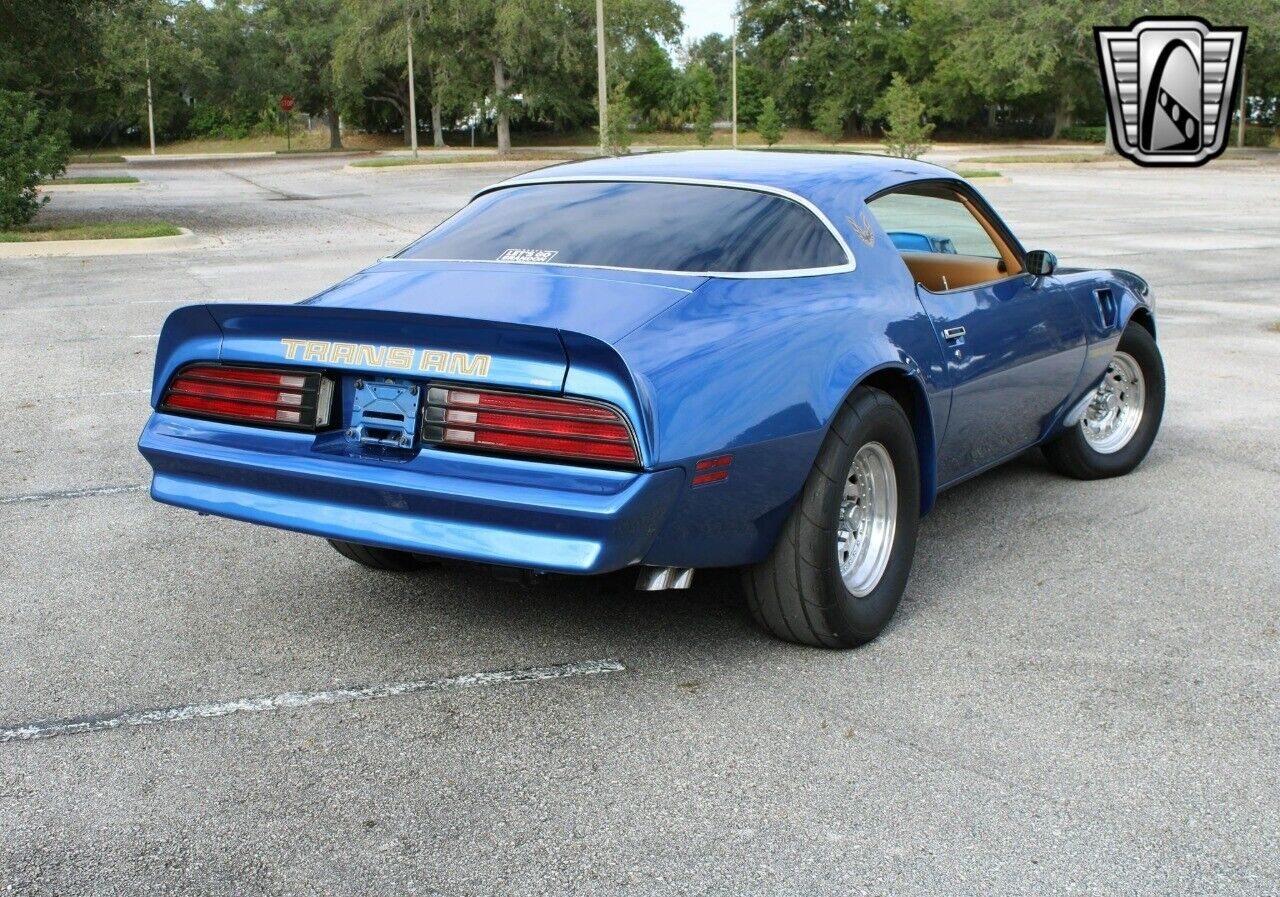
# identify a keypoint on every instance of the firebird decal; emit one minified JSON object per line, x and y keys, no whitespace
{"x":863,"y":229}
{"x":400,"y":358}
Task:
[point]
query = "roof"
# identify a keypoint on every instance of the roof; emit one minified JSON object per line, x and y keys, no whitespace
{"x":819,"y":177}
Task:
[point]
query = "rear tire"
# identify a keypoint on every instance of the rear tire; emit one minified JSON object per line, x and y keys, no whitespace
{"x":840,"y":565}
{"x":1105,"y":443}
{"x":379,"y":558}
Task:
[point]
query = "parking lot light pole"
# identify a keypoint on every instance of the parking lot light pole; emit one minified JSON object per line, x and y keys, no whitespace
{"x":413,"y":104}
{"x":602,"y":88}
{"x":151,"y":114}
{"x":733,"y":68}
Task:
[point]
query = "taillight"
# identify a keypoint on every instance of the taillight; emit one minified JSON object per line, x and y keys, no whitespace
{"x":572,"y":429}
{"x":286,"y":398}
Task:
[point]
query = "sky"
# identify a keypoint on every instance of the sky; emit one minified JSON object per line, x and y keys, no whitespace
{"x":703,"y":17}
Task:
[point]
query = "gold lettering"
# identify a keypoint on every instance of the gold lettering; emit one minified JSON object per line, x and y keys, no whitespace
{"x":434,"y":360}
{"x":370,"y":356}
{"x":314,"y":350}
{"x":342,"y":353}
{"x":399,"y":357}
{"x":475,"y":366}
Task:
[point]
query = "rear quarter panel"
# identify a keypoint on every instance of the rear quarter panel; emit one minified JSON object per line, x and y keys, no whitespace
{"x":758,"y":368}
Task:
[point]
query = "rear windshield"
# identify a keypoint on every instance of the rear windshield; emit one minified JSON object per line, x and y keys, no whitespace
{"x":655,"y":226}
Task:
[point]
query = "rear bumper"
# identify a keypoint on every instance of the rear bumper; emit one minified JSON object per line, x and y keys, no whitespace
{"x":492,"y":510}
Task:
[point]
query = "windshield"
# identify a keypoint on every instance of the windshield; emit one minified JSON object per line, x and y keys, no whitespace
{"x":690,"y":228}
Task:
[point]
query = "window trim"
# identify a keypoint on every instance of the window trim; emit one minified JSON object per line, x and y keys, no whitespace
{"x":849,"y":265}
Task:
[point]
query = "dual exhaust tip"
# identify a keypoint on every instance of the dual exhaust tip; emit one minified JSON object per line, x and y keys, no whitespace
{"x":651,"y":579}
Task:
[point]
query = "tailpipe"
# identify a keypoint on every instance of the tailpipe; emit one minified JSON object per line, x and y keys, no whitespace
{"x":655,"y":579}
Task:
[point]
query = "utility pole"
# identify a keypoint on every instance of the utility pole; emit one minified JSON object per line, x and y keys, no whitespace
{"x":602,"y":89}
{"x":151,"y":114}
{"x":413,"y":103}
{"x":733,"y":67}
{"x":1243,"y":104}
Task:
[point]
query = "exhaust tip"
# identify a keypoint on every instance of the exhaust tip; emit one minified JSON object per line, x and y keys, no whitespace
{"x":656,"y":579}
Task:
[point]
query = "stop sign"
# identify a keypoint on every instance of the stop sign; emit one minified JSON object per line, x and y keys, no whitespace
{"x":286,"y":103}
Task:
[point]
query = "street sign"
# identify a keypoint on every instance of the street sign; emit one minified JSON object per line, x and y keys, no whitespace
{"x":286,"y":103}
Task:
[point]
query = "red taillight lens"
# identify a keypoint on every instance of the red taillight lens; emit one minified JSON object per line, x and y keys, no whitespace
{"x":573,"y":429}
{"x":288,"y":398}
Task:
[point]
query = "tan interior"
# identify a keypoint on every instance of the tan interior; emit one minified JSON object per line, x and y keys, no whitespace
{"x":941,"y":271}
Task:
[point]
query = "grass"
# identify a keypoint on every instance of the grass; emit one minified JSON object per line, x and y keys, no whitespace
{"x":97,"y":179}
{"x":978,"y":173}
{"x":516,"y":156}
{"x":112,"y":230}
{"x":1060,"y":158}
{"x":95,"y":159}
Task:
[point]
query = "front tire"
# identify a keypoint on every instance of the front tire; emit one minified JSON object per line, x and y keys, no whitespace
{"x":840,"y":566}
{"x":1123,"y":416}
{"x":379,"y":558}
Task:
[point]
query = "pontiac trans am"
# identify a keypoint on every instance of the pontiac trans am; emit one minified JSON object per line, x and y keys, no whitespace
{"x":673,"y":361}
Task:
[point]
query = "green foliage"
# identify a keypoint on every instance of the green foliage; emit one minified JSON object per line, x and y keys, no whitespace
{"x":618,"y":134}
{"x":769,"y":122}
{"x":1259,"y":136}
{"x":1084,"y":133}
{"x":829,"y":120}
{"x":33,"y":149}
{"x":704,"y":126}
{"x":906,"y":133}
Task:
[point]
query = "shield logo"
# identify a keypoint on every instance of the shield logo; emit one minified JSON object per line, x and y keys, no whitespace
{"x":1170,"y":83}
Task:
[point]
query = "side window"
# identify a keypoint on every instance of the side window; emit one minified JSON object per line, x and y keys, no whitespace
{"x":932,"y":223}
{"x":941,"y":239}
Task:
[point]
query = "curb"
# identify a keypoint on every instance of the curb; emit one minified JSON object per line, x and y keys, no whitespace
{"x":446,"y":166}
{"x":73,"y":188}
{"x":126,"y":246}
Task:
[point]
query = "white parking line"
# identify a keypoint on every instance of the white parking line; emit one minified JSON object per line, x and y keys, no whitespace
{"x":294,"y":699}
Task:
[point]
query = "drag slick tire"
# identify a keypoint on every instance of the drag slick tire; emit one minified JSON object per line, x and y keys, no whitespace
{"x":1121,"y":420}
{"x":380,"y":558}
{"x":841,"y":563}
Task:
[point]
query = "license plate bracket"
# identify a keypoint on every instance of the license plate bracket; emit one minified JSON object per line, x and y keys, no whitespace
{"x":384,"y":412}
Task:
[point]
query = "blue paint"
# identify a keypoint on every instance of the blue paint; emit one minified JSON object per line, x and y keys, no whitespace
{"x":702,"y":366}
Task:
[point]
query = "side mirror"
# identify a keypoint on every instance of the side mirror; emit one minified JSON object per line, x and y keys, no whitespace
{"x":1041,"y":262}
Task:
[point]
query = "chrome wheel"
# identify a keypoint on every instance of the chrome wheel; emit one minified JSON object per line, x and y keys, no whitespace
{"x":868,"y":519}
{"x":1114,"y":413}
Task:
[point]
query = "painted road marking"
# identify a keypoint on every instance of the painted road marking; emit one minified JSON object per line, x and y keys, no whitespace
{"x":294,"y":699}
{"x":71,"y":493}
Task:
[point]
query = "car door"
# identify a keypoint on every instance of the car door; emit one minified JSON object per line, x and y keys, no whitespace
{"x":1013,"y":343}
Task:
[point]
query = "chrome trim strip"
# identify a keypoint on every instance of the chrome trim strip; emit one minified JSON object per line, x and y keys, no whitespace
{"x":850,"y":265}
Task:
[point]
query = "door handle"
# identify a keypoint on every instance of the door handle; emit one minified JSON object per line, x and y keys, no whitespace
{"x":953,"y":333}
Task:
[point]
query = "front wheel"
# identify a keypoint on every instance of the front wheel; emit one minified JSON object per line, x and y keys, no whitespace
{"x":840,"y":566}
{"x":1123,"y":415}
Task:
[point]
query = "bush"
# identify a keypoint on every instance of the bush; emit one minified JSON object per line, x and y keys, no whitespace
{"x":1085,"y":133}
{"x":704,"y":125}
{"x":907,"y":134}
{"x":618,"y":133}
{"x":1257,"y":135}
{"x":769,"y":122}
{"x":33,"y":148}
{"x":829,"y":120}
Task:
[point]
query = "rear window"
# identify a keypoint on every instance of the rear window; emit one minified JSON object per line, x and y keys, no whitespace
{"x":656,"y":226}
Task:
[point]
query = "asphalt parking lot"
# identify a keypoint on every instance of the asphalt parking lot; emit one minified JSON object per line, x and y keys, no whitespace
{"x":1079,"y":695}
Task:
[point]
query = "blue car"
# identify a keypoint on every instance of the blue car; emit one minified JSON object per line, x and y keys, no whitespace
{"x":665,"y":362}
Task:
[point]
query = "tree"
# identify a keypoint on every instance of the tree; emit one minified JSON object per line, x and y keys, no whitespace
{"x":830,"y":119}
{"x":33,"y":148}
{"x":769,"y":122}
{"x":618,"y":133}
{"x":906,"y":135}
{"x":309,"y":31}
